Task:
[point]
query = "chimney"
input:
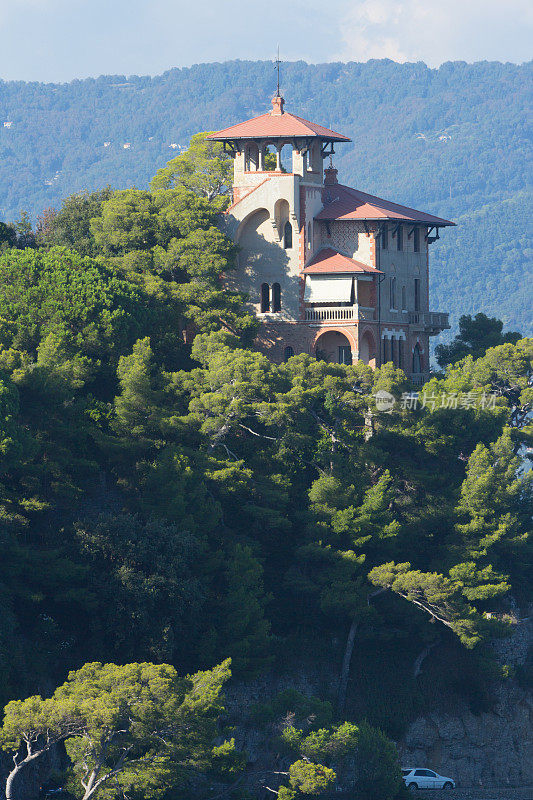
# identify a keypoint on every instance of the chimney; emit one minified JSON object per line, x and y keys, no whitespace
{"x":330,"y":176}
{"x":277,"y":106}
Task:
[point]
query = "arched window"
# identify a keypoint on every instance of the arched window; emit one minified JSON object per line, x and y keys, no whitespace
{"x":417,"y":359}
{"x":310,"y":159}
{"x":287,"y":236}
{"x":393,"y":292}
{"x":285,"y":157}
{"x":404,"y":299}
{"x":393,"y":344}
{"x":265,"y":298}
{"x":400,"y":353}
{"x":417,"y":294}
{"x":276,"y":297}
{"x":288,"y":353}
{"x":385,"y":350}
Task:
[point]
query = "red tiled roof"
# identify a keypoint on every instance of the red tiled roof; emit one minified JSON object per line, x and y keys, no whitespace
{"x":343,"y":202}
{"x":272,"y":126}
{"x":328,"y":260}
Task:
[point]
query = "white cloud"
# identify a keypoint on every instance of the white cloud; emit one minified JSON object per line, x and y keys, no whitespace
{"x":56,"y":40}
{"x":435,"y":31}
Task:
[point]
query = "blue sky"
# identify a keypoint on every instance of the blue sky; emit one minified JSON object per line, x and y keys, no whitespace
{"x":59,"y":40}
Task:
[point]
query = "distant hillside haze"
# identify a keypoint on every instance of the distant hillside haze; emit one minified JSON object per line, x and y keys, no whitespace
{"x":454,"y":141}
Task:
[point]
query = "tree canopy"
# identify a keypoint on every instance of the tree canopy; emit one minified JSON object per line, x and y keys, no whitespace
{"x":168,"y":494}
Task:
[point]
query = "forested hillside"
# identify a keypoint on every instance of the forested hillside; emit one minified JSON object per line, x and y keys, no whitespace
{"x":454,"y":141}
{"x":192,"y":505}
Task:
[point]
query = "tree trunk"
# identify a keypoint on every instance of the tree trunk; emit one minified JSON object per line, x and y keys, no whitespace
{"x":345,"y":672}
{"x":90,"y":787}
{"x":9,"y":782}
{"x":417,"y":667}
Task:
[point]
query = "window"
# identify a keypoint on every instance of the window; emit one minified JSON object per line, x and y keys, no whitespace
{"x":399,"y":238}
{"x":393,"y":349}
{"x":416,"y":240}
{"x":417,"y":294}
{"x":384,"y":238}
{"x":393,"y":292}
{"x":288,"y":353}
{"x":265,"y":298}
{"x":404,"y":298}
{"x":310,"y":158}
{"x":417,"y":359}
{"x":400,"y":353}
{"x":345,"y":354}
{"x":385,"y":351}
{"x":309,"y":236}
{"x":276,"y":297}
{"x":287,"y":236}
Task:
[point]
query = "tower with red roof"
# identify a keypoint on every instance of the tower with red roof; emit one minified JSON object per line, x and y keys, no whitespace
{"x":329,"y":270}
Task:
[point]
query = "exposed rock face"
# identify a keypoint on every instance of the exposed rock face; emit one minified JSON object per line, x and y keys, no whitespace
{"x":492,"y":749}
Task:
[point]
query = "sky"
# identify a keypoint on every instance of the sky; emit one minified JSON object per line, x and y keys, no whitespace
{"x":60,"y":40}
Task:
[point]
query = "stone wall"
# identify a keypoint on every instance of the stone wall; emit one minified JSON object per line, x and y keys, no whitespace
{"x":489,"y":749}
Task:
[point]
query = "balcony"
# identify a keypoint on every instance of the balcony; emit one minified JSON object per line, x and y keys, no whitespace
{"x":431,"y":322}
{"x":338,"y":313}
{"x":419,"y":378}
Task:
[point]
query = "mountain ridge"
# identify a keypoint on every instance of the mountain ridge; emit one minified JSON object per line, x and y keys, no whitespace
{"x":454,"y":141}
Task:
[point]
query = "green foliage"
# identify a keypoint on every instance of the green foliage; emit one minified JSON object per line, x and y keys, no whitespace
{"x":290,"y":704}
{"x":71,"y":226}
{"x":95,"y":311}
{"x":148,"y":599}
{"x":476,"y":335}
{"x":162,"y":501}
{"x":122,"y":724}
{"x":173,"y":234}
{"x":227,"y":761}
{"x":204,"y":168}
{"x":359,"y":753}
{"x":444,"y":598}
{"x":310,"y":779}
{"x":246,"y":630}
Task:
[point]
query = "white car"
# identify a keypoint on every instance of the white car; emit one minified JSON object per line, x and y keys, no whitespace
{"x":421,"y":778}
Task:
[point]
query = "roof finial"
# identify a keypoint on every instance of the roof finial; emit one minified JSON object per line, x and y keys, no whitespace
{"x":277,"y":62}
{"x":277,"y":101}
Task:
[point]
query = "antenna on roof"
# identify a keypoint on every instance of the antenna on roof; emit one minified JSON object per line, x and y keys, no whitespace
{"x":277,"y":62}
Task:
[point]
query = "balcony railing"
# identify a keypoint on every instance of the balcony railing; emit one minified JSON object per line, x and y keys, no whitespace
{"x":431,"y":321}
{"x":419,"y":378}
{"x":330,"y":313}
{"x":335,"y":313}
